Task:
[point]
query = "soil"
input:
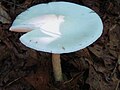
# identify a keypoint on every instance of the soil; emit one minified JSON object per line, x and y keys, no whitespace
{"x":96,"y":67}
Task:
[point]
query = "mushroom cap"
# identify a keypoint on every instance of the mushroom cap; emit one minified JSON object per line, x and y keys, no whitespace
{"x":58,"y":27}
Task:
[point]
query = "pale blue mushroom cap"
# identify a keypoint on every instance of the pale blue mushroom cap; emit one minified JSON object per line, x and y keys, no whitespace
{"x":58,"y":27}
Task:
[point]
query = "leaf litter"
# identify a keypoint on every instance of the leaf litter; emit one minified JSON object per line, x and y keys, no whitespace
{"x":94,"y":68}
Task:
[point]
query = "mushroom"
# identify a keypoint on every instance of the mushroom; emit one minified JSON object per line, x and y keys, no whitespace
{"x":57,"y":28}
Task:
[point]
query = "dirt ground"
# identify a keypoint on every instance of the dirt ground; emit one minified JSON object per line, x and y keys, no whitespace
{"x":96,"y":67}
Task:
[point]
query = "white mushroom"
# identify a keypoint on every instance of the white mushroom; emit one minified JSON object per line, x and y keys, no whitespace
{"x":58,"y":27}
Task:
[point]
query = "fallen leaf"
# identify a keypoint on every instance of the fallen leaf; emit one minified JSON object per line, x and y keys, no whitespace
{"x":4,"y":17}
{"x":119,"y":59}
{"x":39,"y":80}
{"x":96,"y":50}
{"x":119,"y":68}
{"x":97,"y":82}
{"x":93,"y":79}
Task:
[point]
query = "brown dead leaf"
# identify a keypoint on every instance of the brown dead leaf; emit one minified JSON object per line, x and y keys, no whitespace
{"x":109,"y":62}
{"x":94,"y":79}
{"x":4,"y":53}
{"x":100,"y":68}
{"x":96,"y":50}
{"x":41,"y":77}
{"x":92,"y":4}
{"x":33,"y":54}
{"x":114,"y":40}
{"x":119,"y":63}
{"x":39,"y":80}
{"x":119,"y":68}
{"x":97,"y":82}
{"x":4,"y":17}
{"x":119,"y":59}
{"x":27,"y":3}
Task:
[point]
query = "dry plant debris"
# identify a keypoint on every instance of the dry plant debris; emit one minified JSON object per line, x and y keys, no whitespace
{"x":94,"y":68}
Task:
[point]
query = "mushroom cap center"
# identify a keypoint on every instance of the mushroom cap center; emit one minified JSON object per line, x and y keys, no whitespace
{"x":50,"y":24}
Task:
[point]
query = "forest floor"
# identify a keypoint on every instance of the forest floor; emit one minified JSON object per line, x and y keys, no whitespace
{"x":96,"y":67}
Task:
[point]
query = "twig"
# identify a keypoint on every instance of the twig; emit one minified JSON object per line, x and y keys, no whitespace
{"x":5,"y":17}
{"x":117,"y":85}
{"x":12,"y":82}
{"x":14,"y":4}
{"x":113,"y":27}
{"x":117,"y":63}
{"x":114,"y":69}
{"x":76,"y":77}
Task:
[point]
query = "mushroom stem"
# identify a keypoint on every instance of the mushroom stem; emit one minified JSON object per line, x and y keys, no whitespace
{"x":56,"y":62}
